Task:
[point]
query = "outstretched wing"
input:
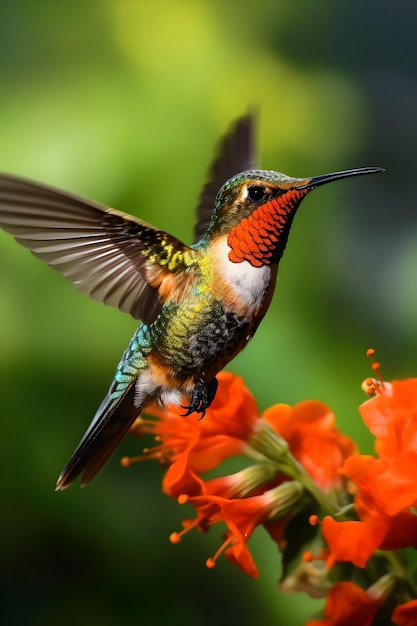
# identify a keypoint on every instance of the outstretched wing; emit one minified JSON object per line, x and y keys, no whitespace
{"x":105,"y":253}
{"x":111,"y":256}
{"x":236,"y":154}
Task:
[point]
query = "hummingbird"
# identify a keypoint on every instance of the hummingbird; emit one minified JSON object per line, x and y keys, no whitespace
{"x":198,"y":305}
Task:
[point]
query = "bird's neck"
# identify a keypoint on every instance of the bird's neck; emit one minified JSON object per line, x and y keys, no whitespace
{"x":245,"y":288}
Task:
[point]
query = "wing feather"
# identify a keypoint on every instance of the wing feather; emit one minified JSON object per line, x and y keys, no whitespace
{"x":236,"y":154}
{"x":103,"y":252}
{"x":107,"y":254}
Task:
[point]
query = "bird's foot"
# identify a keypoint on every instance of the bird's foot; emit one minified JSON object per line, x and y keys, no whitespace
{"x":201,"y":397}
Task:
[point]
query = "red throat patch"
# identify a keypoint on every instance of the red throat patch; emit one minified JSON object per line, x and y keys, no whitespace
{"x":256,"y":237}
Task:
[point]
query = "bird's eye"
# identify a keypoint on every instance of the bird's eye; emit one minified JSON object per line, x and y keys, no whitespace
{"x":257,"y":193}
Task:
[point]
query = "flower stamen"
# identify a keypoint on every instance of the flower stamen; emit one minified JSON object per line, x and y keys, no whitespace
{"x":188,"y":525}
{"x":149,"y":454}
{"x":324,"y":556}
{"x":370,"y":385}
{"x":330,"y":561}
{"x":211,"y":561}
{"x":142,"y":426}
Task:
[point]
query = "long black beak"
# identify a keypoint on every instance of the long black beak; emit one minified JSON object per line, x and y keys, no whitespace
{"x":316,"y":181}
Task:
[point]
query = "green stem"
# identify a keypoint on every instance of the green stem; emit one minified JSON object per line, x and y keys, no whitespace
{"x":399,"y":570}
{"x":297,"y":471}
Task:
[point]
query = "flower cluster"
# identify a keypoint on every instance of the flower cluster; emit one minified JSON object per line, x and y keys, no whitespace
{"x":349,"y":604}
{"x":386,"y":487}
{"x":305,"y":482}
{"x":293,"y":452}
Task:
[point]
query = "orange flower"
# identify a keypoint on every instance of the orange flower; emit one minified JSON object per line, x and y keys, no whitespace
{"x":241,"y":515}
{"x":386,"y":486}
{"x":352,"y":541}
{"x":405,"y":614}
{"x":391,"y":415}
{"x":348,"y":604}
{"x":314,"y":440}
{"x":376,"y":496}
{"x":356,"y":541}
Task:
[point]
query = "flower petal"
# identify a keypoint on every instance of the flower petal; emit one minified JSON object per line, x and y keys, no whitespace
{"x":314,"y":440}
{"x":348,"y":604}
{"x":353,"y":541}
{"x":405,"y":614}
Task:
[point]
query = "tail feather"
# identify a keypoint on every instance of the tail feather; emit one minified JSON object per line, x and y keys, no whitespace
{"x":110,"y":424}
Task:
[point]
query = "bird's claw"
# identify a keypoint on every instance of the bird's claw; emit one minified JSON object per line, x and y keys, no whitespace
{"x":201,"y":398}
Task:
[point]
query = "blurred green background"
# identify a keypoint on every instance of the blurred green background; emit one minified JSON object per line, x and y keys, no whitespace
{"x":124,"y":101}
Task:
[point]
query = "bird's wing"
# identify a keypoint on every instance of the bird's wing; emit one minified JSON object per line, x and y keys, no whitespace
{"x":236,"y":153}
{"x":111,"y":256}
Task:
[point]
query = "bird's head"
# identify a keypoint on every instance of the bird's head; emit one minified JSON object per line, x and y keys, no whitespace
{"x":256,"y":208}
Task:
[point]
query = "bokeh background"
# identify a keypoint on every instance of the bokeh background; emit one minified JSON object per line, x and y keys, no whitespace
{"x":124,"y":101}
